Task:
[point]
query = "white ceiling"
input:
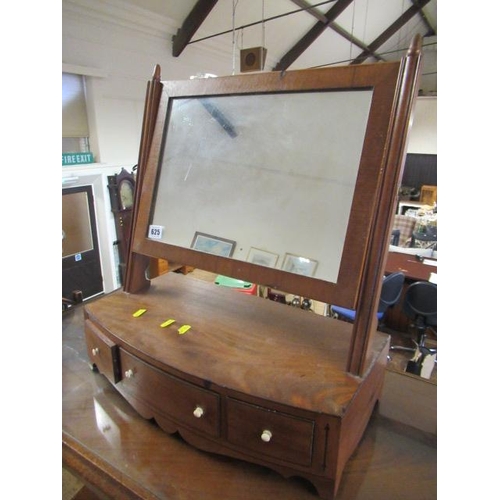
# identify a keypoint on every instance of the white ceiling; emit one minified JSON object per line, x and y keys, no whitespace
{"x":365,"y":20}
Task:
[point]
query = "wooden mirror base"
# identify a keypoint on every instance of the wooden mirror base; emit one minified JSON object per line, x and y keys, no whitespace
{"x":250,"y":378}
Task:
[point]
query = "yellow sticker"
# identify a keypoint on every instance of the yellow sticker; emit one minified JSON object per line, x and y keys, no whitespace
{"x":139,"y":312}
{"x":167,"y":323}
{"x":183,"y":329}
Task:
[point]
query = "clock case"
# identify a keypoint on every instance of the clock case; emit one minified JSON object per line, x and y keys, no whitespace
{"x":122,"y":216}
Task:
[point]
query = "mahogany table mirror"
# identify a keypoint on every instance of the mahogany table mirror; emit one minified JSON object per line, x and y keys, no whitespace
{"x":281,"y":179}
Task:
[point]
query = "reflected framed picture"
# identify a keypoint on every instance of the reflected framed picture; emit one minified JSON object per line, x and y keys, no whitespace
{"x":213,"y":244}
{"x":299,"y":265}
{"x":262,"y":257}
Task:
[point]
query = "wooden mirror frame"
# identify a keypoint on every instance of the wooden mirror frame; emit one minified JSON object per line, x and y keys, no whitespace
{"x":394,"y":86}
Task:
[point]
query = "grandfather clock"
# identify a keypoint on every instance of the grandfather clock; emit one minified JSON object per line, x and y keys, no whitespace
{"x":121,"y":191}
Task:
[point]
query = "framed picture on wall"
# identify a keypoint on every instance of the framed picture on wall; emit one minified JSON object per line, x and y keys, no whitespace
{"x":213,"y":244}
{"x":299,"y":265}
{"x":262,"y":257}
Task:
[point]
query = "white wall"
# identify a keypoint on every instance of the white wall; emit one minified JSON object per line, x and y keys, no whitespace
{"x":122,"y":44}
{"x":117,"y":46}
{"x":423,"y":132}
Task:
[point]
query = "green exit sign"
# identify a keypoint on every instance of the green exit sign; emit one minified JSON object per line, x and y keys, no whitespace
{"x":77,"y":158}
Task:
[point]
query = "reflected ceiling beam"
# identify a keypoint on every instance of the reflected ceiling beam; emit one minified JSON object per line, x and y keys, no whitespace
{"x":335,"y":27}
{"x":191,"y":24}
{"x":391,"y":30}
{"x":221,"y":119}
{"x":299,"y":48}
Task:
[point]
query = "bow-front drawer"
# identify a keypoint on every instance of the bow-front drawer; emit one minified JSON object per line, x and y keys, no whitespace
{"x":189,"y":405}
{"x":267,"y":432}
{"x":102,"y":352}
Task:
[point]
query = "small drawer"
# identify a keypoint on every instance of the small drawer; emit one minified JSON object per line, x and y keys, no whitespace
{"x":270,"y":433}
{"x":187,"y":404}
{"x":102,"y":352}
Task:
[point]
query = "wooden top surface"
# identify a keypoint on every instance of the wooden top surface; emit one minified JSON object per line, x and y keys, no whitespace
{"x":106,"y":442}
{"x":410,"y":266}
{"x":244,"y":343}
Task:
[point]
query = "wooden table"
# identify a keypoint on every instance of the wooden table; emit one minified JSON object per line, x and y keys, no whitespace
{"x":413,"y":269}
{"x":117,"y":452}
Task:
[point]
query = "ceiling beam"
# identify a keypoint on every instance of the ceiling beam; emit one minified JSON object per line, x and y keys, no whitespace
{"x":191,"y":24}
{"x":296,"y":51}
{"x":335,"y":27}
{"x":430,"y":29}
{"x":391,"y":30}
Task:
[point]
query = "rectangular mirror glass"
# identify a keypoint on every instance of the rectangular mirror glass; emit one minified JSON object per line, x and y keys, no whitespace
{"x":272,"y":178}
{"x":266,"y":178}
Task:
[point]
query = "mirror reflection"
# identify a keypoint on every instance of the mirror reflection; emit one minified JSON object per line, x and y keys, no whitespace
{"x":267,"y":179}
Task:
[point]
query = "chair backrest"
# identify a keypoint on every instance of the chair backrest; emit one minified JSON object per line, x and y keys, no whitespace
{"x":392,"y":286}
{"x":406,"y":225}
{"x":421,"y":302}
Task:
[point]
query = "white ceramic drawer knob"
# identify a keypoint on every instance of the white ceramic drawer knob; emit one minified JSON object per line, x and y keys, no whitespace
{"x":198,"y":412}
{"x":95,"y":351}
{"x":266,"y":436}
{"x":129,"y":373}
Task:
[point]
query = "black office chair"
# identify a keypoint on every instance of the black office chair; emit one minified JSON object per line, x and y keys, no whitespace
{"x":420,"y":305}
{"x":392,"y":286}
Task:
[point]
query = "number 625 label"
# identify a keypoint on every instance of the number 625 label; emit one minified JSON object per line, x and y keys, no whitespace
{"x":155,"y":232}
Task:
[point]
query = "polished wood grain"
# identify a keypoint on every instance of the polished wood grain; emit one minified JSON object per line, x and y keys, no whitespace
{"x":137,"y":264}
{"x":249,"y":365}
{"x":236,"y":341}
{"x":167,"y":395}
{"x":390,"y":168}
{"x":113,"y":449}
{"x":103,"y":353}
